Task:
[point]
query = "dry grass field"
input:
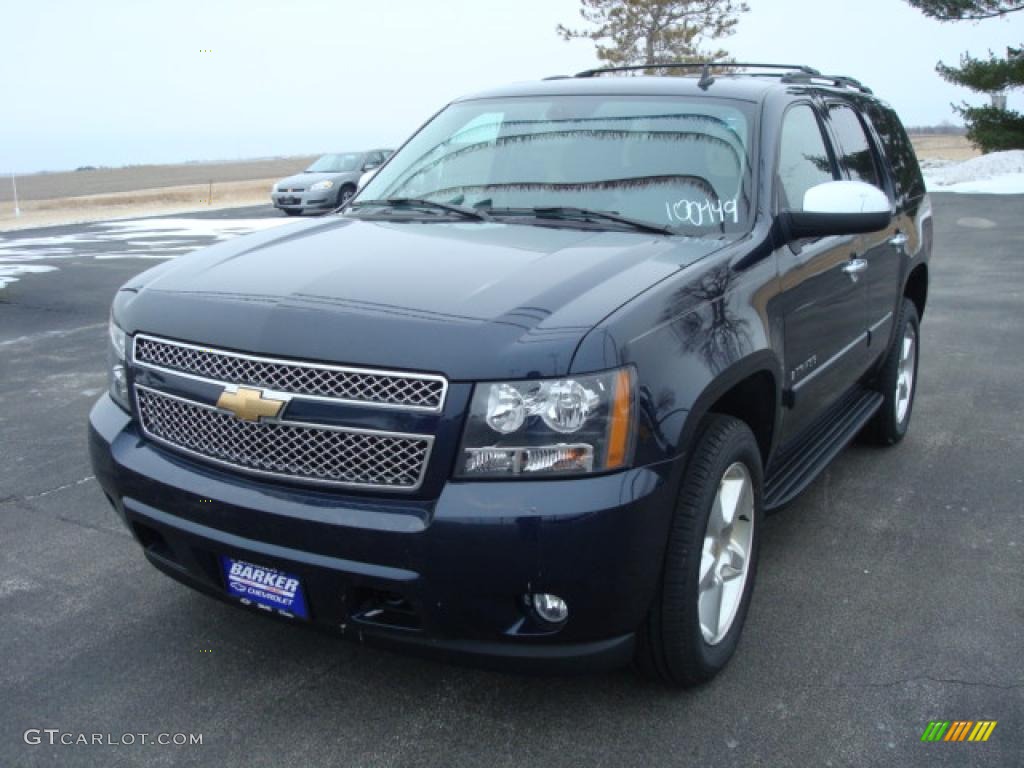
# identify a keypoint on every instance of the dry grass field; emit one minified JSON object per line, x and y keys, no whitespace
{"x":143,"y":202}
{"x":943,"y":147}
{"x":106,"y":181}
{"x":71,"y":197}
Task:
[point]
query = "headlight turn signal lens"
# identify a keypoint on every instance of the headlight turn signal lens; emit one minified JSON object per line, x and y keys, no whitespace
{"x":117,"y":373}
{"x":575,"y":425}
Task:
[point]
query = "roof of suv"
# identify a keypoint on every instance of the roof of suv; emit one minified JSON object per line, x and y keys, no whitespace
{"x":738,"y":85}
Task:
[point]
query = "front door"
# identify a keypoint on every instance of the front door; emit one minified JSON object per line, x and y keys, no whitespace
{"x":882,"y":251}
{"x":822,"y":298}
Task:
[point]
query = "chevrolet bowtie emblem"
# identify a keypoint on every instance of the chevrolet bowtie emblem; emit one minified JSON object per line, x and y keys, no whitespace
{"x":250,"y":404}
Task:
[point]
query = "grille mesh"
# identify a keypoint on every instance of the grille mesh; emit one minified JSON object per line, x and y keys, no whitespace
{"x":301,"y":452}
{"x":294,"y":378}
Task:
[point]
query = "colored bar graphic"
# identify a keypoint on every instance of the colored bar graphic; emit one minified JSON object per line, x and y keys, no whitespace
{"x":958,"y":730}
{"x":982,"y":730}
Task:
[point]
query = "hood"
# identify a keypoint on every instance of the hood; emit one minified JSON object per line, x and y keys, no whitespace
{"x":306,"y":180}
{"x":469,"y":300}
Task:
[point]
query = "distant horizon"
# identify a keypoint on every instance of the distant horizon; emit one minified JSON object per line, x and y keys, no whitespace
{"x":220,"y":161}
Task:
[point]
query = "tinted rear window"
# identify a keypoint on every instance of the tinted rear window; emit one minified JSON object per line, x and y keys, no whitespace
{"x":856,"y":155}
{"x":899,"y":151}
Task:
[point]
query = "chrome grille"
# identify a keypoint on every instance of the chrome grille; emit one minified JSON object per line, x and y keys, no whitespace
{"x":313,"y":453}
{"x":363,"y":386}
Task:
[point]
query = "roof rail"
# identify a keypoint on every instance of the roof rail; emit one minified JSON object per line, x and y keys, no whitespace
{"x":788,"y":73}
{"x":839,"y":81}
{"x":702,"y":65}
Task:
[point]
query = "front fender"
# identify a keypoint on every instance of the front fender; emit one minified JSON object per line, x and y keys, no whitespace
{"x":691,"y":337}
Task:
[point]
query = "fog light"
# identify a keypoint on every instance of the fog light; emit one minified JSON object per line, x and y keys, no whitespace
{"x":551,"y":608}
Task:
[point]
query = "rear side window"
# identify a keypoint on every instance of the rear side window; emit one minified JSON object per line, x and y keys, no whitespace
{"x":855,"y":154}
{"x":899,"y":151}
{"x":803,"y":157}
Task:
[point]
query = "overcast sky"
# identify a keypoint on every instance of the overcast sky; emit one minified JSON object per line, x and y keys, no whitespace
{"x":114,"y":82}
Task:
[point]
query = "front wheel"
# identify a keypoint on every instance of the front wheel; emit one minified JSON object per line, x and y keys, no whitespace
{"x":345,"y":194}
{"x":694,"y":626}
{"x":292,"y":211}
{"x":897,"y":381}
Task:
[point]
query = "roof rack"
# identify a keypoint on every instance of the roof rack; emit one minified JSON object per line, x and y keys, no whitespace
{"x":703,"y":65}
{"x":839,"y":81}
{"x":787,"y":73}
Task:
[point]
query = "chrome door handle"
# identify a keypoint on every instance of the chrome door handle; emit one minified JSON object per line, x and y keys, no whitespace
{"x":854,"y":267}
{"x":899,"y":240}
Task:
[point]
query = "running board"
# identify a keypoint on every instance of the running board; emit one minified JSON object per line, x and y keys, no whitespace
{"x":796,"y":470}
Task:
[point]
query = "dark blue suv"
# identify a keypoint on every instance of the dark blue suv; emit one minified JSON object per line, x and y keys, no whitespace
{"x":527,"y":397}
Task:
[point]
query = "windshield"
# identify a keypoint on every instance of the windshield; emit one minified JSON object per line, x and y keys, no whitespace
{"x":335,"y":163}
{"x":674,"y":162}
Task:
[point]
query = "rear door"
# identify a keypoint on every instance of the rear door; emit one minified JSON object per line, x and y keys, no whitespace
{"x":860,"y":160}
{"x":822,"y":303}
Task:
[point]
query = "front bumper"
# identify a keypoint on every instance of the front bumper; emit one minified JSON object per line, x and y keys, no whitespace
{"x":322,"y":200}
{"x":444,"y":576}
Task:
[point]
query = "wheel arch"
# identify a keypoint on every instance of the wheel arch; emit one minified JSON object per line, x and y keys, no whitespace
{"x":916,"y":288}
{"x":751,"y":391}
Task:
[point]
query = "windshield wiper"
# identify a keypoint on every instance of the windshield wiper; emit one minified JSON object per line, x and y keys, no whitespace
{"x":569,"y":213}
{"x":415,"y":202}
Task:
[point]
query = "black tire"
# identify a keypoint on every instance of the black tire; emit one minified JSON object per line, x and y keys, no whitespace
{"x":671,"y":644}
{"x":292,"y":212}
{"x":345,"y":194}
{"x":887,"y":428}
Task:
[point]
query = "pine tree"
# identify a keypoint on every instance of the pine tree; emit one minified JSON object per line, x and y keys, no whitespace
{"x":656,"y":31}
{"x":993,"y":127}
{"x":966,"y":10}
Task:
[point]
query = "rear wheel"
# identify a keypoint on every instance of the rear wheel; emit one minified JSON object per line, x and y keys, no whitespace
{"x":897,"y":381}
{"x":694,"y":626}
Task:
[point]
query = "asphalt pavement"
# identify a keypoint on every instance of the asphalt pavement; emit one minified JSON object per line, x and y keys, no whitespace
{"x":890,"y":594}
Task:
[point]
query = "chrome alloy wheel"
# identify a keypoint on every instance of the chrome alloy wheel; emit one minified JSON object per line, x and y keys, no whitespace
{"x":905,"y":378}
{"x":725,"y":559}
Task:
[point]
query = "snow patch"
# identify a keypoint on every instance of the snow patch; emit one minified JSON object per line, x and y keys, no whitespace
{"x":9,"y":272}
{"x":998,"y":173}
{"x":222,"y":229}
{"x":122,"y":239}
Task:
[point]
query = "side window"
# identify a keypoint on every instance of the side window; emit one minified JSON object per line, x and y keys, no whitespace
{"x":899,"y":150}
{"x":803,"y":157}
{"x":855,"y":153}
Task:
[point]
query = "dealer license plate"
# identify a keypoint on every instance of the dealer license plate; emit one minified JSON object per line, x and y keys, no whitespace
{"x":267,"y":588}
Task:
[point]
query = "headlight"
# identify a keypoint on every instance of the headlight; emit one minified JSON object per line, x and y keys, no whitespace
{"x":321,"y":185}
{"x":570,"y":426}
{"x":117,"y":374}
